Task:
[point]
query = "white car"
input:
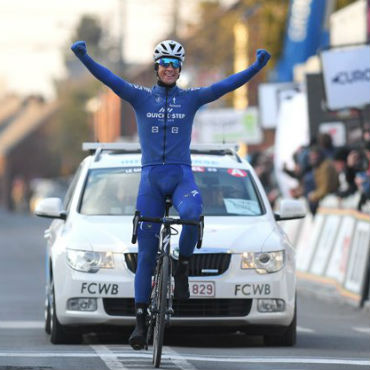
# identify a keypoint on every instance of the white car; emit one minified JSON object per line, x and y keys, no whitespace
{"x":243,"y":277}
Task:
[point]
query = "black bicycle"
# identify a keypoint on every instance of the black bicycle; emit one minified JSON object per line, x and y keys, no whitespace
{"x":161,"y":299}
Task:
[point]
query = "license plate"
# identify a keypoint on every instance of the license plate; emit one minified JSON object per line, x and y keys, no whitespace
{"x":202,"y":288}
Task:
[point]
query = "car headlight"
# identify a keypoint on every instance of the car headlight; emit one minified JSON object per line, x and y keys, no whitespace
{"x":89,"y":261}
{"x":263,"y":262}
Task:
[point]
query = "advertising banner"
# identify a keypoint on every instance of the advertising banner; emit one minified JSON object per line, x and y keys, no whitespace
{"x":358,"y":258}
{"x":227,"y":125}
{"x":291,"y":133}
{"x":341,"y":125}
{"x":347,"y":76}
{"x":269,"y":101}
{"x":325,"y":244}
{"x":339,"y":258}
{"x":303,"y":37}
{"x":307,"y":246}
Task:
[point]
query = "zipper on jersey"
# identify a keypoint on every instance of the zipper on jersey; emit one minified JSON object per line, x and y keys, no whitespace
{"x":165,"y":128}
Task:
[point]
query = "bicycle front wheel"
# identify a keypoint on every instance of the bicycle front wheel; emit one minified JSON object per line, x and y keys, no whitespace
{"x":160,"y":321}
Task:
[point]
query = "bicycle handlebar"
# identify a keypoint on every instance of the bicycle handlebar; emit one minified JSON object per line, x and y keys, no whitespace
{"x":168,"y":221}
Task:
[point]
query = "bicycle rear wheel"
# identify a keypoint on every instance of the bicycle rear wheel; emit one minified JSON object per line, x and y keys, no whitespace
{"x":160,"y":321}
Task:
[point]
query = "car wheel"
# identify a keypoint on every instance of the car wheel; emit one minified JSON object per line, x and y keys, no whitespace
{"x":58,"y":334}
{"x":287,"y":339}
{"x":47,"y":312}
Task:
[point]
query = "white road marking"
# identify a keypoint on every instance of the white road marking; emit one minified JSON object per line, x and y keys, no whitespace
{"x":304,"y":330}
{"x":182,"y":363}
{"x":108,"y":357}
{"x":362,"y":330}
{"x":209,"y":358}
{"x":21,"y":324}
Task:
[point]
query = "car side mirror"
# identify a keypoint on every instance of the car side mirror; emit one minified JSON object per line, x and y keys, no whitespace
{"x":290,"y":209}
{"x":50,"y":208}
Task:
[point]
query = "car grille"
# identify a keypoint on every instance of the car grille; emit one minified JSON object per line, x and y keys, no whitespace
{"x":201,"y":264}
{"x":191,"y":308}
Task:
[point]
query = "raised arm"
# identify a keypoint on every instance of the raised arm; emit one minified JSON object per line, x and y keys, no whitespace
{"x":121,"y":87}
{"x":215,"y":91}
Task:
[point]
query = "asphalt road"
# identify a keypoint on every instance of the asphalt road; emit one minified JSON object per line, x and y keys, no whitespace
{"x":331,"y":335}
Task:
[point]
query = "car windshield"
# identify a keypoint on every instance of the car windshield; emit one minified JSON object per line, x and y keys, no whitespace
{"x":225,"y":192}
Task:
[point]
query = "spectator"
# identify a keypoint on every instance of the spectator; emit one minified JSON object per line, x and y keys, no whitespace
{"x":304,"y":174}
{"x":362,"y":178}
{"x":325,"y":142}
{"x":346,"y":174}
{"x":326,"y":178}
{"x":263,"y":165}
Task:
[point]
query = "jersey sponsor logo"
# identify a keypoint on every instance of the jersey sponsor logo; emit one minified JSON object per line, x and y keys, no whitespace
{"x":174,"y":130}
{"x":194,"y":193}
{"x":176,"y":115}
{"x":155,"y":129}
{"x":169,"y":110}
{"x":160,"y":115}
{"x":155,"y":115}
{"x":237,"y":172}
{"x":139,"y":87}
{"x":99,"y":288}
{"x":252,"y":289}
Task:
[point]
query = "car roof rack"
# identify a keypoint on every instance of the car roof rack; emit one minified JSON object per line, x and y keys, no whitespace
{"x":124,"y":147}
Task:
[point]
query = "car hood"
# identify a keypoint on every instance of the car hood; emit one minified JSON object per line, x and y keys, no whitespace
{"x":232,"y":234}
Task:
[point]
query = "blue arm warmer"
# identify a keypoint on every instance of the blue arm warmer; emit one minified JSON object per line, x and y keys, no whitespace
{"x":215,"y":91}
{"x":121,"y":87}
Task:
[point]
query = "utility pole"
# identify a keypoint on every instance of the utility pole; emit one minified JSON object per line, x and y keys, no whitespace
{"x":175,"y":18}
{"x":241,"y":35}
{"x":122,"y":11}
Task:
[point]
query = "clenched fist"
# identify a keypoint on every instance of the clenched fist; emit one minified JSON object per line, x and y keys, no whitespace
{"x":79,"y":48}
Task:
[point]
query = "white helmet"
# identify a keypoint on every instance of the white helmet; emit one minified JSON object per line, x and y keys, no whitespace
{"x":169,"y":48}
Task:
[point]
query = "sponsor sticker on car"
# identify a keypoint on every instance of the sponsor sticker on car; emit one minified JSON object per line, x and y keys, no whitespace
{"x":253,"y":290}
{"x":99,"y":288}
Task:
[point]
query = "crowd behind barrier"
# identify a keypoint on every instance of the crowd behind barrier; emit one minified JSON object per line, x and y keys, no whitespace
{"x":333,"y":241}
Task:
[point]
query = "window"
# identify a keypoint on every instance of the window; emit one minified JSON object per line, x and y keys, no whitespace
{"x":71,"y":189}
{"x":225,"y":192}
{"x":111,"y":191}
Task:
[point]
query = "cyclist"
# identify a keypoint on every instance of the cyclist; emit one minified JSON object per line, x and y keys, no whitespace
{"x":164,"y":117}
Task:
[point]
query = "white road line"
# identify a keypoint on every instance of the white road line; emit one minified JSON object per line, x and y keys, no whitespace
{"x":108,"y":357}
{"x":182,"y":363}
{"x":304,"y":330}
{"x":236,"y":359}
{"x":21,"y":324}
{"x":362,"y":330}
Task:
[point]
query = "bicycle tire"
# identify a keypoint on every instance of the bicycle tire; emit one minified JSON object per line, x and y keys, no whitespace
{"x":160,"y":321}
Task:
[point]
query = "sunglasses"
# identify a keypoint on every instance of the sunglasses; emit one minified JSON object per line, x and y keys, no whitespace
{"x":165,"y":62}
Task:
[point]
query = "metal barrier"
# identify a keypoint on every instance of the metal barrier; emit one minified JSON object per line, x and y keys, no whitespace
{"x":333,"y":248}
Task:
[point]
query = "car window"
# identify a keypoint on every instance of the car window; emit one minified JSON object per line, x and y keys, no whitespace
{"x":225,"y":192}
{"x":71,"y":189}
{"x":110,"y":191}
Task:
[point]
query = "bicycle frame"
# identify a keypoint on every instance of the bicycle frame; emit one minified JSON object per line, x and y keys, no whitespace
{"x":161,"y":298}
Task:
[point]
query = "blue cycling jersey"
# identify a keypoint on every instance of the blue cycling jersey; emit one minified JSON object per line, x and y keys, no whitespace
{"x":165,"y":115}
